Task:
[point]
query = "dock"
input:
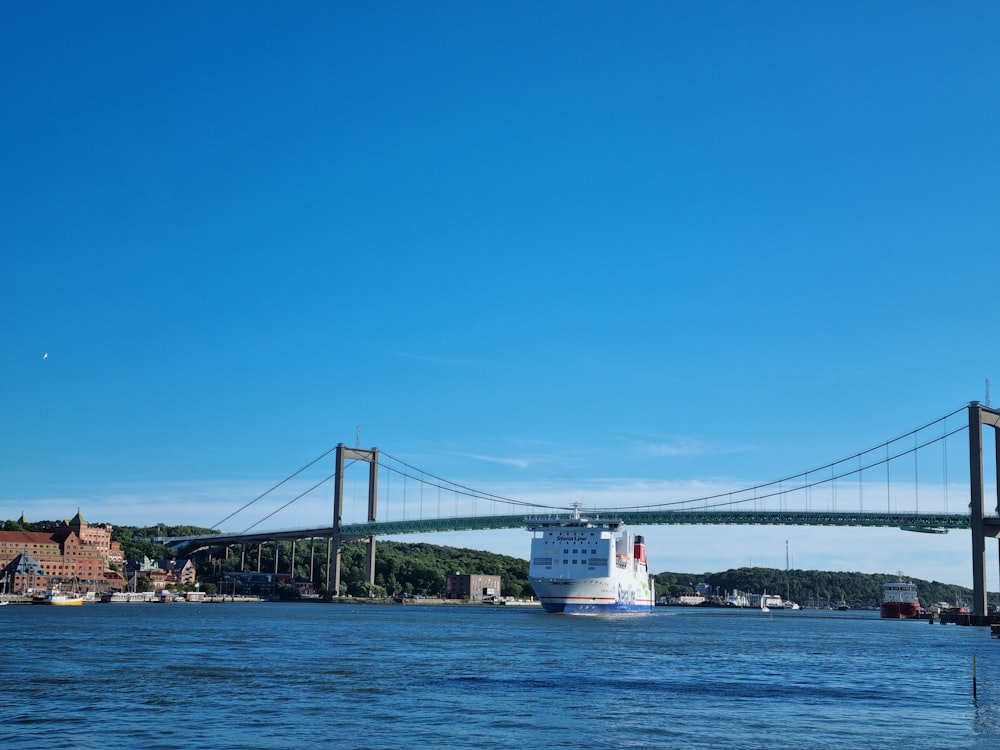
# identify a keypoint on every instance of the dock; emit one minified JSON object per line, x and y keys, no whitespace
{"x":966,"y":618}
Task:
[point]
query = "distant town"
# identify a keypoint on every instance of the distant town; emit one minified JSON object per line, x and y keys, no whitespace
{"x":78,"y":555}
{"x":83,"y":558}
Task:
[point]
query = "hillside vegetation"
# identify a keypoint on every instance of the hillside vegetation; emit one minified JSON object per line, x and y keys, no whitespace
{"x":810,"y":587}
{"x":420,"y":568}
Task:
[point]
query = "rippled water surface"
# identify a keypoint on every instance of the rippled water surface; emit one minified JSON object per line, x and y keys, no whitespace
{"x":315,"y":675}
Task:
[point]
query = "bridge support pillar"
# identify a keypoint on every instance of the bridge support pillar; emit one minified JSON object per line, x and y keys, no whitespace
{"x":979,"y":416}
{"x":333,"y":565}
{"x":372,"y":512}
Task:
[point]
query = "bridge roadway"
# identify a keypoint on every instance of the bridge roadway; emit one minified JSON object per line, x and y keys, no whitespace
{"x":937,"y":523}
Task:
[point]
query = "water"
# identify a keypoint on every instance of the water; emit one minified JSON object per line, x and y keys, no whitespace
{"x":313,"y":675}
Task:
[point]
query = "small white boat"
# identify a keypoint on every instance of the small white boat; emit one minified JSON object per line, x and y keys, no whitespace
{"x":127,"y":597}
{"x":769,"y":601}
{"x":736,"y":599}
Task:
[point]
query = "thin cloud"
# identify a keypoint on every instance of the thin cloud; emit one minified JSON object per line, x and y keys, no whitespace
{"x":514,"y":461}
{"x":684,"y":446}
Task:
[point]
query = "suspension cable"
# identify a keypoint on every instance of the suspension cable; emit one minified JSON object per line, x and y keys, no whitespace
{"x":268,"y":492}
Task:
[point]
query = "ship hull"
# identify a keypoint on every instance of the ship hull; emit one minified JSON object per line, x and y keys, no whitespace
{"x":593,"y":596}
{"x":900,"y":610}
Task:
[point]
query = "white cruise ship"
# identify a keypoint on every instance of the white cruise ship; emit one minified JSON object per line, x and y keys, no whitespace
{"x":589,"y":566}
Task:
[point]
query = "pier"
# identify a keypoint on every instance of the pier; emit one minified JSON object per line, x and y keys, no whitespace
{"x":967,"y":618}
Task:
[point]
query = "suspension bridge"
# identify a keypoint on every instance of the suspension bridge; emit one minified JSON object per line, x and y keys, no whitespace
{"x":907,"y":482}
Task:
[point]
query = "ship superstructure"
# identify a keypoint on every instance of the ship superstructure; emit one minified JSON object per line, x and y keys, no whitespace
{"x":589,"y":566}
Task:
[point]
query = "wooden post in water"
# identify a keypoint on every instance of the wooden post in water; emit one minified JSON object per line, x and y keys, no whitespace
{"x":973,"y":677}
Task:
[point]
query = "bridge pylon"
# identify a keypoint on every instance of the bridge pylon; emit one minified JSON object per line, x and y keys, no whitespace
{"x":333,"y":550}
{"x":982,"y":527}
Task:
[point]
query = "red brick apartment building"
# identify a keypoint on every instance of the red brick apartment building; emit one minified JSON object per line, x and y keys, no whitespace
{"x":71,"y":552}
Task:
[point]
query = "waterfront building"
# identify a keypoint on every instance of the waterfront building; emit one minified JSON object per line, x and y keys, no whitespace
{"x":69,"y":553}
{"x":161,"y":573}
{"x":475,"y":587}
{"x":23,"y":573}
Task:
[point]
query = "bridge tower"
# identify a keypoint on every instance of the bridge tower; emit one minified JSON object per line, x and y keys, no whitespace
{"x":333,"y":550}
{"x":982,"y":527}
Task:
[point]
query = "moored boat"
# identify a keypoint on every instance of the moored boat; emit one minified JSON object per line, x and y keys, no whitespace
{"x":736,"y":599}
{"x":899,"y":601}
{"x":589,"y":566}
{"x":127,"y":597}
{"x":59,"y":599}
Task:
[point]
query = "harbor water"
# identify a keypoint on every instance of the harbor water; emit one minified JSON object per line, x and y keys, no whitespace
{"x":388,"y":676}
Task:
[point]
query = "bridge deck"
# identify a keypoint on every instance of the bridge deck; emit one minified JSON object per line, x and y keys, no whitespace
{"x":925,"y":522}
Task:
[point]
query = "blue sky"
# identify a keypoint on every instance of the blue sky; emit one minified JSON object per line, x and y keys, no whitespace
{"x":546,"y":250}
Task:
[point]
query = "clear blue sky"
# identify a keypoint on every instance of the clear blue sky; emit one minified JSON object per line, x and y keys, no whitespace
{"x":536,"y":248}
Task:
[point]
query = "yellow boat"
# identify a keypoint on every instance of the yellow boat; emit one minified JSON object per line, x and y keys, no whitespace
{"x":59,"y":599}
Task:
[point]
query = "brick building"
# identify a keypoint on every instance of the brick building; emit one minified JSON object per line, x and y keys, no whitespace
{"x":71,"y":553}
{"x":475,"y":587}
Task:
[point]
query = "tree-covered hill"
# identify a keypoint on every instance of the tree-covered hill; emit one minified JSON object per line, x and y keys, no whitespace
{"x":812,"y":587}
{"x":404,"y":568}
{"x":420,"y":568}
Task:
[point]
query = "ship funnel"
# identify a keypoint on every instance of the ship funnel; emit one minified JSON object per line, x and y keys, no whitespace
{"x":639,"y":552}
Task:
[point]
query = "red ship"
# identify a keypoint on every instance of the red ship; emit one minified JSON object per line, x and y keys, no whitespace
{"x":899,"y":601}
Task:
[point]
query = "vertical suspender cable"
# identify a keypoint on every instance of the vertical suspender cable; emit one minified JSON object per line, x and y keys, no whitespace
{"x":944,"y":459}
{"x":861,"y":487}
{"x":888,"y":495}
